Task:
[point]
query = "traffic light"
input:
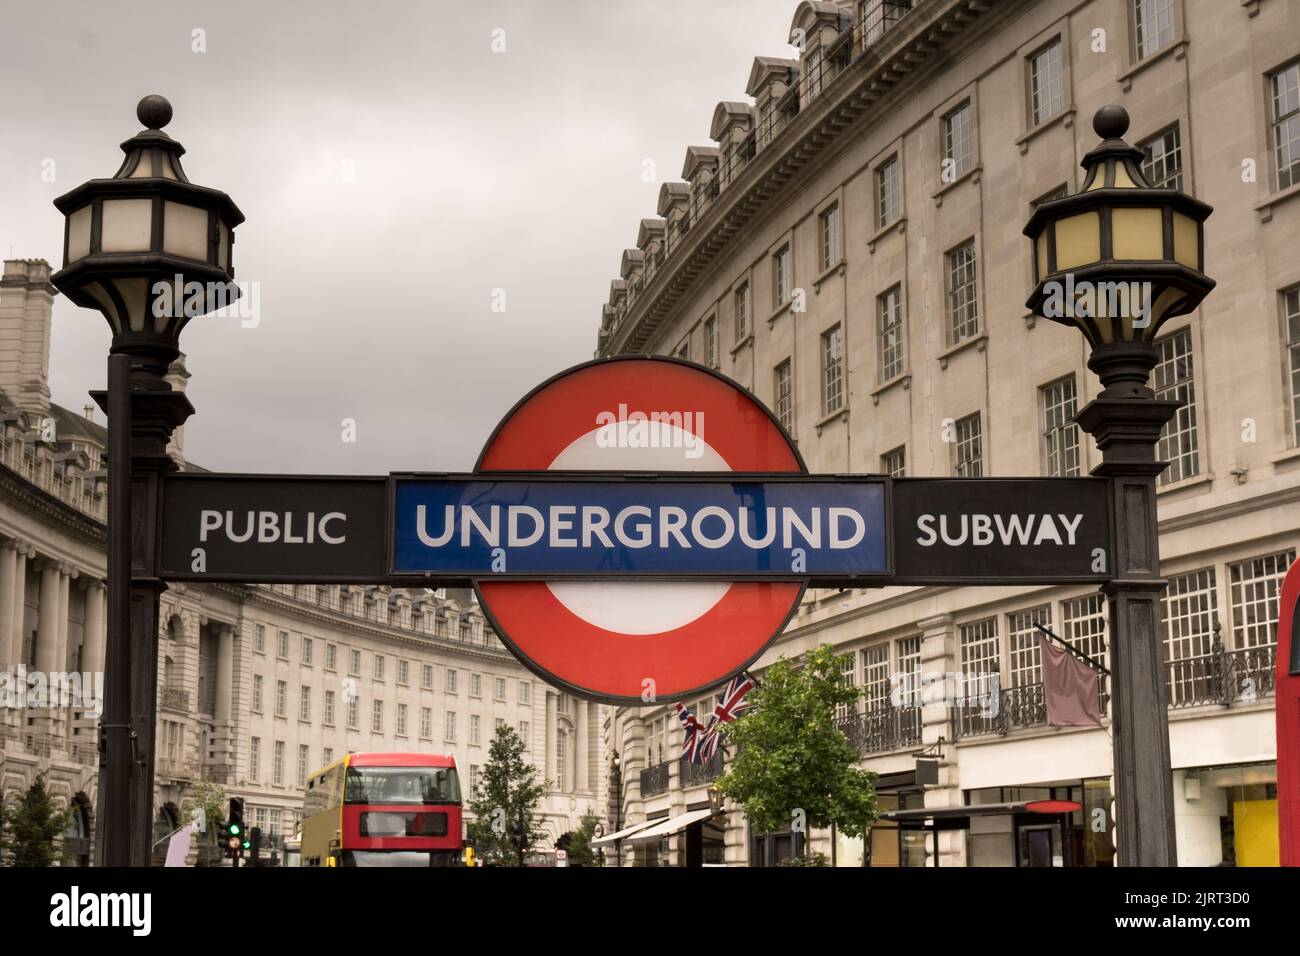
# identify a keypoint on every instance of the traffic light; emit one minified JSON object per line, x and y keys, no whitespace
{"x":235,"y":835}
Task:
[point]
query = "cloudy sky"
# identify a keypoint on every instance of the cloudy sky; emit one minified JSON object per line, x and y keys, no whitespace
{"x":394,"y":172}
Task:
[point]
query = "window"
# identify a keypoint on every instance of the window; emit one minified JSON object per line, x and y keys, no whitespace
{"x":878,"y":16}
{"x":963,"y":312}
{"x":1191,"y":609}
{"x":889,"y":334}
{"x":255,"y":760}
{"x":1022,"y":644}
{"x":282,"y":646}
{"x":1286,"y":124}
{"x":967,"y":448}
{"x":474,"y":729}
{"x":958,"y":152}
{"x":331,"y":656}
{"x":832,"y":370}
{"x":327,"y":756}
{"x":426,"y":676}
{"x":888,"y":192}
{"x":401,"y":720}
{"x":980,"y":656}
{"x":499,"y":723}
{"x":403,"y":672}
{"x":303,"y":760}
{"x":257,"y":692}
{"x":499,"y":688}
{"x":473,"y":778}
{"x":742,"y":312}
{"x":1084,"y":626}
{"x":259,"y":639}
{"x":379,"y":667}
{"x":894,"y":463}
{"x":1046,"y":83}
{"x":523,"y":733}
{"x":466,"y":630}
{"x":426,"y":722}
{"x":353,"y":717}
{"x":475,"y":685}
{"x":1256,"y":585}
{"x":830,"y":236}
{"x":525,"y":691}
{"x":377,"y":717}
{"x":684,"y":350}
{"x":308,"y":650}
{"x":783,"y":395}
{"x":449,"y":730}
{"x":281,"y":692}
{"x":781,"y":276}
{"x":766,"y":121}
{"x":328,"y":715}
{"x":1060,"y":433}
{"x":278,"y":769}
{"x":1163,"y":165}
{"x":875,"y":677}
{"x":304,"y":703}
{"x":711,"y":341}
{"x":561,"y":768}
{"x":354,"y":667}
{"x":1153,"y":26}
{"x":1173,"y":378}
{"x":909,"y":671}
{"x":813,"y":67}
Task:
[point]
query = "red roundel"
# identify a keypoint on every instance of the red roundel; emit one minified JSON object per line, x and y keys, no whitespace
{"x":641,"y":640}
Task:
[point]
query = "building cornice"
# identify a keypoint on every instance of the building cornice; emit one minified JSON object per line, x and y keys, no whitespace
{"x":42,"y":505}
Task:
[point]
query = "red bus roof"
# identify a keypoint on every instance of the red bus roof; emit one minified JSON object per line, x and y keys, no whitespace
{"x":401,"y":760}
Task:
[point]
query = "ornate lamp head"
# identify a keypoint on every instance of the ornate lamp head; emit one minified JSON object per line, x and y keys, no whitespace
{"x":1119,"y":258}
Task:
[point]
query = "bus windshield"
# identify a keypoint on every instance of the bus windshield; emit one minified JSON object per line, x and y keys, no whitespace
{"x":402,"y":785}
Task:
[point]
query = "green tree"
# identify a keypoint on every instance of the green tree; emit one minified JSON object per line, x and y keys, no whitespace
{"x":580,"y":851}
{"x":211,"y":797}
{"x":793,"y":768}
{"x":505,"y":801}
{"x":30,"y":828}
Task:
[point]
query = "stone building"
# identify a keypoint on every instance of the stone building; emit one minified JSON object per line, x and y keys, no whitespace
{"x":848,"y":246}
{"x":258,"y":686}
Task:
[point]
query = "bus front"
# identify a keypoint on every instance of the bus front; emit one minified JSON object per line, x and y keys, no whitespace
{"x":401,"y":810}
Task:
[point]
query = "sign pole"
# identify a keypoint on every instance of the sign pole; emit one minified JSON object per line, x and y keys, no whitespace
{"x":1126,"y":430}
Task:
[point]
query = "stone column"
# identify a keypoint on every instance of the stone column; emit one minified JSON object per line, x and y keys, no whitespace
{"x":47,"y":621}
{"x":92,"y":654}
{"x":939,"y":664}
{"x":225,"y":673}
{"x":20,"y":601}
{"x":551,"y":724}
{"x":580,"y":748}
{"x":8,"y":598}
{"x":66,"y":574}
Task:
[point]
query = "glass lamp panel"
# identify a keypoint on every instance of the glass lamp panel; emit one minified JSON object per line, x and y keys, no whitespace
{"x":1122,"y":179}
{"x":1187,"y":241}
{"x":79,"y":234}
{"x":1040,"y":252}
{"x":126,"y":226}
{"x":223,"y":245}
{"x":106,"y":306}
{"x":134,"y":293}
{"x":1078,"y":240}
{"x":1137,"y":233}
{"x":185,"y":231}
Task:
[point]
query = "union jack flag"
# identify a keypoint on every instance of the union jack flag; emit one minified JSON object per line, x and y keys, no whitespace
{"x":724,"y":713}
{"x":694,"y":734}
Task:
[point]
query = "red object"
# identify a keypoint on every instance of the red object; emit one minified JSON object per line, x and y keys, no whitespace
{"x":1053,"y":806}
{"x":416,"y":818}
{"x":611,"y":657}
{"x":1288,"y":721}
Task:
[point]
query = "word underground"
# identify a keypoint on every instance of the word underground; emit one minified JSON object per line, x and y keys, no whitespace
{"x":269,"y":528}
{"x":624,"y":429}
{"x":74,"y":909}
{"x":638,"y":526}
{"x":78,"y":690}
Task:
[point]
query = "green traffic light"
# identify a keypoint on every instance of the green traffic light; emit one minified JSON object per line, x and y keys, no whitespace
{"x":234,"y":829}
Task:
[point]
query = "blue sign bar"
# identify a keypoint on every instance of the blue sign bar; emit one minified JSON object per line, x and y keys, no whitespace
{"x":555,"y":528}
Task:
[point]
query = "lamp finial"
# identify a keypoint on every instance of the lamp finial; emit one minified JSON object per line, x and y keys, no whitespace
{"x":154,"y":111}
{"x":1110,"y":122}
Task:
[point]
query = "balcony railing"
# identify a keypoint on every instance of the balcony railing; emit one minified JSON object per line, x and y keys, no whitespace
{"x":1013,"y":708}
{"x":177,"y":699}
{"x":654,"y":780}
{"x":882,"y":729}
{"x":1222,"y":677}
{"x":698,"y":774}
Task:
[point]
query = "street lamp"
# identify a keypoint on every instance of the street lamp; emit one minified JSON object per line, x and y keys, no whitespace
{"x":1117,"y":260}
{"x":149,"y":250}
{"x":616,"y":797}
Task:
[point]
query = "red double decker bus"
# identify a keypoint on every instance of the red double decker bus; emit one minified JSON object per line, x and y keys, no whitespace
{"x":1288,"y":720}
{"x":377,"y":809}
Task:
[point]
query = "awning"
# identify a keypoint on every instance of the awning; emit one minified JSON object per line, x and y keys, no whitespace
{"x":672,"y":825}
{"x":922,"y":814}
{"x":623,"y":834}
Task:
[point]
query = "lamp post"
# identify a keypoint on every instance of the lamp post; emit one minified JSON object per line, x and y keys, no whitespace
{"x":149,"y":250}
{"x":1117,"y":260}
{"x":616,"y":798}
